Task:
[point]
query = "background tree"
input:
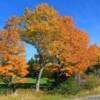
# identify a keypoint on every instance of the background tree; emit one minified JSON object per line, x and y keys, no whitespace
{"x":95,"y":69}
{"x":12,"y":59}
{"x":33,"y":68}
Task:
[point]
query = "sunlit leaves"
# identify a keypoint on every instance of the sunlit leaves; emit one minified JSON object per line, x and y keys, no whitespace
{"x":56,"y":39}
{"x":12,"y":59}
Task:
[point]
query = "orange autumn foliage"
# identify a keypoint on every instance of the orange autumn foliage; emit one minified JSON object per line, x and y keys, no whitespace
{"x":12,"y":59}
{"x":56,"y":37}
{"x":71,"y":48}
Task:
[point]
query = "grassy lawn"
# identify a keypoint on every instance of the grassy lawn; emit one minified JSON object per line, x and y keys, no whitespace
{"x":24,"y":93}
{"x":32,"y":80}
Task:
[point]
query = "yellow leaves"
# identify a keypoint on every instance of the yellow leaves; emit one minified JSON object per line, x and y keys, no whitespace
{"x":36,"y":67}
{"x":51,"y":68}
{"x":27,"y":11}
{"x":12,"y":21}
{"x":23,"y":73}
{"x":44,"y":9}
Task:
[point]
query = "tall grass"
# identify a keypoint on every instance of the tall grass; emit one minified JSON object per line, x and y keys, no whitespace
{"x":29,"y":94}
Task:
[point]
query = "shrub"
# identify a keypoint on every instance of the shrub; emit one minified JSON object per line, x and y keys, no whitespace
{"x":90,"y":82}
{"x":70,"y":86}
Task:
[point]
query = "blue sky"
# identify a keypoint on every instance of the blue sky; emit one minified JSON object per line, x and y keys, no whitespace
{"x":85,"y":14}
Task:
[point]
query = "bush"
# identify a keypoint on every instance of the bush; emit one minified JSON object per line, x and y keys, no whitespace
{"x":70,"y":86}
{"x":90,"y":82}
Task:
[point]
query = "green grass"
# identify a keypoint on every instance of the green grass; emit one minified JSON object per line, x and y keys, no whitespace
{"x":32,"y":80}
{"x":1,"y":82}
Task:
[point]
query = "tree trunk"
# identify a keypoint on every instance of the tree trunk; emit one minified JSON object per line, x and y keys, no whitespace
{"x":39,"y":78}
{"x":13,"y":87}
{"x":78,"y":78}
